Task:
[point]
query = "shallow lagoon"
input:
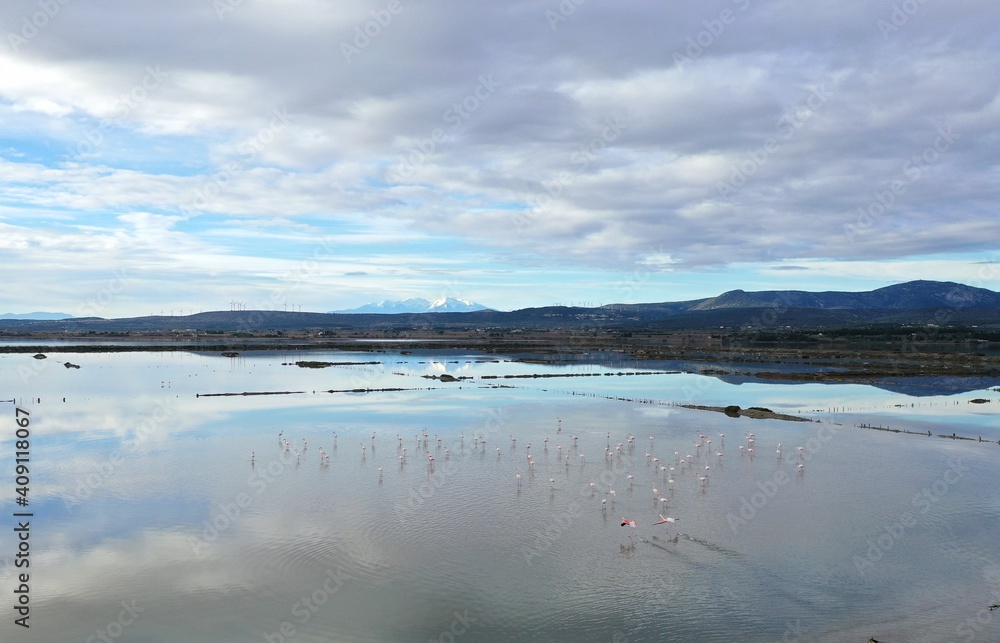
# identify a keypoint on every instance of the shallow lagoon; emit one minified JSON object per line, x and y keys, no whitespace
{"x":145,"y":493}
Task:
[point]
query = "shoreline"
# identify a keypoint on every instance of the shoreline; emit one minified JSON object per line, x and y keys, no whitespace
{"x":843,"y":364}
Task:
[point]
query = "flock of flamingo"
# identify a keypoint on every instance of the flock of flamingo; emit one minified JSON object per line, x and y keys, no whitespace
{"x":695,"y":461}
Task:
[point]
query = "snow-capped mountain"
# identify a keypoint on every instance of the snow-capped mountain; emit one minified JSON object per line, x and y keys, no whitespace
{"x":417,"y":305}
{"x":454,"y":305}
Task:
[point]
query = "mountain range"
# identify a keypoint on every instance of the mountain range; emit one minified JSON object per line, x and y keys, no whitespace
{"x":36,"y":315}
{"x":912,"y":295}
{"x":415,"y":305}
{"x":914,"y":303}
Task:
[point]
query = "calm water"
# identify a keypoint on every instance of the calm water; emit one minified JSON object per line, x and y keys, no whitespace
{"x":152,"y":522}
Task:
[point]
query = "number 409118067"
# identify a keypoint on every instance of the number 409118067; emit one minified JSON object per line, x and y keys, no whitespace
{"x":23,"y":452}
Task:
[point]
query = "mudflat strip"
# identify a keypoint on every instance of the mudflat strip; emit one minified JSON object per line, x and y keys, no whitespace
{"x":755,"y":412}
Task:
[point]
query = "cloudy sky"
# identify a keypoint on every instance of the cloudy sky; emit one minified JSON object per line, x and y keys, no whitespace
{"x":322,"y":154}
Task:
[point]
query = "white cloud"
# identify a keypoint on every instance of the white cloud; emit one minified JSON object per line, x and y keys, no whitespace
{"x":259,"y":115}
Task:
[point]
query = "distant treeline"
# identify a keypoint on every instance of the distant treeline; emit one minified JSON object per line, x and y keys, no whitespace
{"x":880,"y":333}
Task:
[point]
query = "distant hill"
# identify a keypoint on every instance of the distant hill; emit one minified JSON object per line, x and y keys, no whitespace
{"x":915,"y":303}
{"x":39,"y":315}
{"x":912,"y":295}
{"x":415,"y":305}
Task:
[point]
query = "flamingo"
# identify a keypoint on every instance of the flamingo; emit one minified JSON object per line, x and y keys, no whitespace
{"x":630,"y":522}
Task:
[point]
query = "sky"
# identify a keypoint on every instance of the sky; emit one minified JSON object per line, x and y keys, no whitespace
{"x":317,"y":155}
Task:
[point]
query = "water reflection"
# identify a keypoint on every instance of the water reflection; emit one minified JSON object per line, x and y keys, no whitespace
{"x":146,"y":493}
